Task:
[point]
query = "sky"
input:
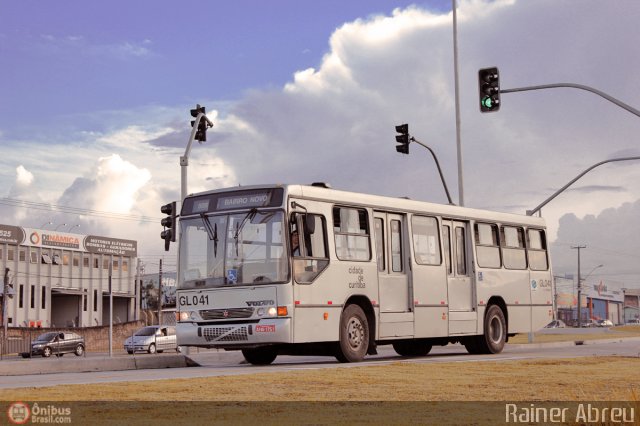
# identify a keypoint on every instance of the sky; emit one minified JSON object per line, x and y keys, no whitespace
{"x":95,"y":100}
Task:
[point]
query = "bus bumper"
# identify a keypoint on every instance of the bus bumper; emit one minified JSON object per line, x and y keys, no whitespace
{"x":229,"y":335}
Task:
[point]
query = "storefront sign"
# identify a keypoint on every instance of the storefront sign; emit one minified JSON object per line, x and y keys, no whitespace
{"x":11,"y":234}
{"x":114,"y":246}
{"x":42,"y":238}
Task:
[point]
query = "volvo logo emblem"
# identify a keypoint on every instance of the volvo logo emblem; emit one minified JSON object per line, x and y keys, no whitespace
{"x":225,"y":313}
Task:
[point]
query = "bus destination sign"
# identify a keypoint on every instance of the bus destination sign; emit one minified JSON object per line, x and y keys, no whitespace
{"x":243,"y":201}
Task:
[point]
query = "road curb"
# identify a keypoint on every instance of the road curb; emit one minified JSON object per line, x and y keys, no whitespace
{"x":91,"y":364}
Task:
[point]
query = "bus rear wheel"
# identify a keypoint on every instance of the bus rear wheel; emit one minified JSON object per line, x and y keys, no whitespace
{"x":354,"y":335}
{"x":260,"y":356}
{"x":495,"y":332}
{"x":412,"y":348}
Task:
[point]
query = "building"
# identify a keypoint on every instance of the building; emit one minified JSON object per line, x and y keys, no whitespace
{"x":59,"y":279}
{"x":599,"y":301}
{"x":631,"y":304}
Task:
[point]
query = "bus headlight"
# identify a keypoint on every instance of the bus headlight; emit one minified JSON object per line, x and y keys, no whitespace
{"x":272,"y":312}
{"x":260,"y":312}
{"x":188,"y":315}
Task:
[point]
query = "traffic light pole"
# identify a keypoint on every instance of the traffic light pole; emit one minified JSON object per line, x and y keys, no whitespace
{"x":184,"y":160}
{"x":576,"y":86}
{"x":446,"y":190}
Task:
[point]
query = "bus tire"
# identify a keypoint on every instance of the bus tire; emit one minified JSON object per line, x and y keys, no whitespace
{"x":260,"y":356}
{"x":495,"y":331}
{"x":354,"y":335}
{"x":412,"y":348}
{"x":471,"y":344}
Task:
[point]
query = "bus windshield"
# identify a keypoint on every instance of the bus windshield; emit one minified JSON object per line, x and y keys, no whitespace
{"x":233,"y":249}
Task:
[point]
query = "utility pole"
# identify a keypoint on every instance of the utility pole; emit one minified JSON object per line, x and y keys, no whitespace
{"x":5,"y":298}
{"x":160,"y":293}
{"x":579,"y":286}
{"x":110,"y":309}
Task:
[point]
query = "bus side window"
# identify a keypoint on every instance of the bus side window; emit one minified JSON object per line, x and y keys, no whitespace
{"x":513,"y":251}
{"x":351,"y":230}
{"x":537,"y":250}
{"x":487,"y":246}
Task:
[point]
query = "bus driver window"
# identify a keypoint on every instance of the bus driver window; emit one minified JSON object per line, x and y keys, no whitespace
{"x":308,"y":238}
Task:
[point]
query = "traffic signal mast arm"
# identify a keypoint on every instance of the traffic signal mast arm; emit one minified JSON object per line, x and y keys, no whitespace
{"x":446,"y":190}
{"x":576,"y":86}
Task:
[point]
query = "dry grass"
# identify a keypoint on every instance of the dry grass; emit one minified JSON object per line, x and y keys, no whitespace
{"x":397,"y":394}
{"x":593,"y":379}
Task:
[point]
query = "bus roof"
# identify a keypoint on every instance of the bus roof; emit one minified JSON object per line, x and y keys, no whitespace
{"x":324,"y":193}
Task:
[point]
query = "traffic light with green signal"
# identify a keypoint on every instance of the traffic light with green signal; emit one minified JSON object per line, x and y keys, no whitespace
{"x":489,"y":89}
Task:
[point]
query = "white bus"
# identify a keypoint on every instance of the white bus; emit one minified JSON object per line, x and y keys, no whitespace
{"x":293,"y":269}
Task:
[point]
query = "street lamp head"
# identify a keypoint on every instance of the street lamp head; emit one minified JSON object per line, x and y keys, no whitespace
{"x":59,"y":226}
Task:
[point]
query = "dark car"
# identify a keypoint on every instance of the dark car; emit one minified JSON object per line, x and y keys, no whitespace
{"x":56,"y":343}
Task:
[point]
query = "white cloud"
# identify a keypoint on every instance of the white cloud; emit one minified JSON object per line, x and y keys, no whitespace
{"x":335,"y":122}
{"x":24,"y":177}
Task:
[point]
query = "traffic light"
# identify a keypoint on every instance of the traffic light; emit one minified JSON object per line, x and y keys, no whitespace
{"x":489,"y":89}
{"x":203,"y":124}
{"x":169,"y":224}
{"x":402,"y":138}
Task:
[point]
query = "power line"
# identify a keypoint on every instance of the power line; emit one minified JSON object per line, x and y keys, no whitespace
{"x":76,"y":210}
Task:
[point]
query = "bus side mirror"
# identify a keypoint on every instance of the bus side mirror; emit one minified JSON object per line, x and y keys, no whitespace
{"x":310,"y":223}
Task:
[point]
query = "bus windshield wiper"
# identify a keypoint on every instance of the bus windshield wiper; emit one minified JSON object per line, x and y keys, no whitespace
{"x":212,"y":232}
{"x":249,"y":216}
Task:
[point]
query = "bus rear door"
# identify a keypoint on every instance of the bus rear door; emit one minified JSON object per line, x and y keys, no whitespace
{"x":462,"y":313}
{"x":396,"y":315}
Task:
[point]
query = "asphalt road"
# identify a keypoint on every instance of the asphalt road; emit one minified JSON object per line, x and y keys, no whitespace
{"x":219,"y":363}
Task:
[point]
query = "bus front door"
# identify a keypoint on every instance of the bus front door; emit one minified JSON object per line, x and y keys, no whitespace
{"x":462,"y":312}
{"x":396,"y":316}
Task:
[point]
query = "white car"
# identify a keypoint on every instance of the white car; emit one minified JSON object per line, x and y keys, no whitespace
{"x":604,"y":323}
{"x":152,"y":339}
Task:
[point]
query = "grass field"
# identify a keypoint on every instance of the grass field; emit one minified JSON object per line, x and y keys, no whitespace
{"x":400,"y":393}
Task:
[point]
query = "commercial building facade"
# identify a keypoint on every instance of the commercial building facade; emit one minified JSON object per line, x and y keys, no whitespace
{"x":59,"y":279}
{"x":599,"y":301}
{"x":631,"y":304}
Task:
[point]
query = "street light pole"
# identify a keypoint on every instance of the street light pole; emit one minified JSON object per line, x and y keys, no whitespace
{"x":558,"y":192}
{"x":457,"y":102}
{"x":579,"y":286}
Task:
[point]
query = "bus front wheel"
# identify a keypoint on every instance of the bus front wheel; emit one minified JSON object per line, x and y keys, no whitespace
{"x":260,"y":356}
{"x":354,"y":335}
